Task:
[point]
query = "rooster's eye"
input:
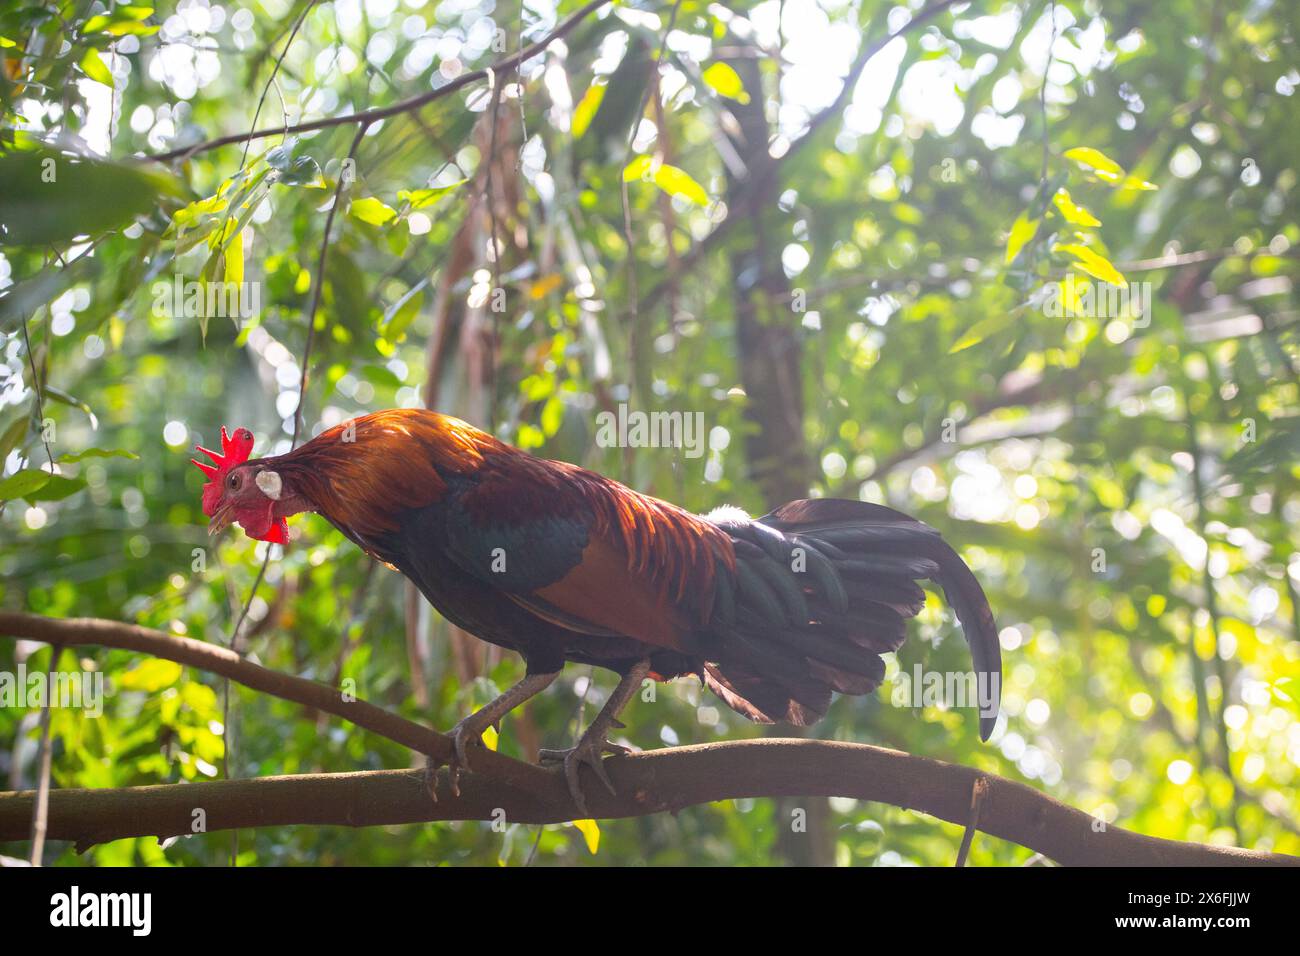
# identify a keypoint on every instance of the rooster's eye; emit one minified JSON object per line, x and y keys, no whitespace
{"x":233,"y":481}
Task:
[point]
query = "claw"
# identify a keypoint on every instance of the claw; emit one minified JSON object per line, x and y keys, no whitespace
{"x":465,"y":732}
{"x":589,"y":752}
{"x":460,"y":738}
{"x":431,"y":776}
{"x":595,"y":740}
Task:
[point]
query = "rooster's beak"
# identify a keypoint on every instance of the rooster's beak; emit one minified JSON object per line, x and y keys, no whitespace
{"x":221,"y":520}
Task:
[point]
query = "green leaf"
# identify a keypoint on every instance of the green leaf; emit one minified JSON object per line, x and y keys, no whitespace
{"x":381,"y":375}
{"x":11,"y":436}
{"x":57,"y":488}
{"x":981,"y":330}
{"x":190,"y":214}
{"x":373,"y":211}
{"x":121,"y":21}
{"x":23,"y":483}
{"x":304,"y":171}
{"x":420,"y":198}
{"x":59,"y":395}
{"x":1094,"y":159}
{"x":677,"y":182}
{"x":585,"y":111}
{"x":294,"y":169}
{"x":1097,"y":266}
{"x":150,"y":676}
{"x":1022,"y":230}
{"x":43,"y":288}
{"x":726,"y":81}
{"x":399,"y":316}
{"x":1071,"y":211}
{"x":72,"y":458}
{"x":345,"y":285}
{"x":126,"y":12}
{"x":96,"y":68}
{"x":47,"y":197}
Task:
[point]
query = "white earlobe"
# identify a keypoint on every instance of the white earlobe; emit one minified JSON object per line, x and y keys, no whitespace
{"x":270,"y":484}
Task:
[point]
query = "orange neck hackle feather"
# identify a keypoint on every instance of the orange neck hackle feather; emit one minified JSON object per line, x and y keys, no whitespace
{"x":363,"y":473}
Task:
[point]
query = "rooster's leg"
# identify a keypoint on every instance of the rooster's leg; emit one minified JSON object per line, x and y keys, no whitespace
{"x":594,"y":743}
{"x":470,"y":729}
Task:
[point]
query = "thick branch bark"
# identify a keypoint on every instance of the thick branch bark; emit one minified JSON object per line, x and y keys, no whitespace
{"x":647,"y":783}
{"x":219,"y":660}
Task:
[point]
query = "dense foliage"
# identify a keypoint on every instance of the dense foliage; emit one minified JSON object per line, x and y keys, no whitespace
{"x":1121,"y":475}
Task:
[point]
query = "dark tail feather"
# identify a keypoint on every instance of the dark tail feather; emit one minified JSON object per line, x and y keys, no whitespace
{"x":790,"y":638}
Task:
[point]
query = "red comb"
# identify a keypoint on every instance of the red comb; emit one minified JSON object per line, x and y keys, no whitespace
{"x":234,"y":451}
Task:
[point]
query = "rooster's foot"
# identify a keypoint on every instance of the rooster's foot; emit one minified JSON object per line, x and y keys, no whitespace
{"x":467,"y":733}
{"x":589,"y":751}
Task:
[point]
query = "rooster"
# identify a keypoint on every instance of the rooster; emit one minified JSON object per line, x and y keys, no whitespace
{"x":561,"y":564}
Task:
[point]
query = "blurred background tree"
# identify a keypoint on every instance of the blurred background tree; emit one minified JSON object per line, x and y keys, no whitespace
{"x":869,"y":289}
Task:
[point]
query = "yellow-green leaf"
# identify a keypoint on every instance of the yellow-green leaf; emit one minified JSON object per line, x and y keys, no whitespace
{"x":1070,"y":297}
{"x":372,"y":210}
{"x":552,"y":415}
{"x":1094,"y":159}
{"x":726,"y":81}
{"x":585,"y":111}
{"x":125,"y":27}
{"x":1097,"y":266}
{"x":234,"y":258}
{"x":1022,"y":230}
{"x":1073,"y":213}
{"x":590,"y":831}
{"x":981,"y":330}
{"x":490,"y":738}
{"x":1137,"y":183}
{"x":637,"y":169}
{"x":677,"y":182}
{"x":149,"y":676}
{"x":95,"y":67}
{"x":99,"y":21}
{"x":420,"y":198}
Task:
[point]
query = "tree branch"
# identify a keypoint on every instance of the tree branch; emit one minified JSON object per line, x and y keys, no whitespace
{"x":371,"y":116}
{"x":662,"y":780}
{"x":647,"y":783}
{"x":219,"y":660}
